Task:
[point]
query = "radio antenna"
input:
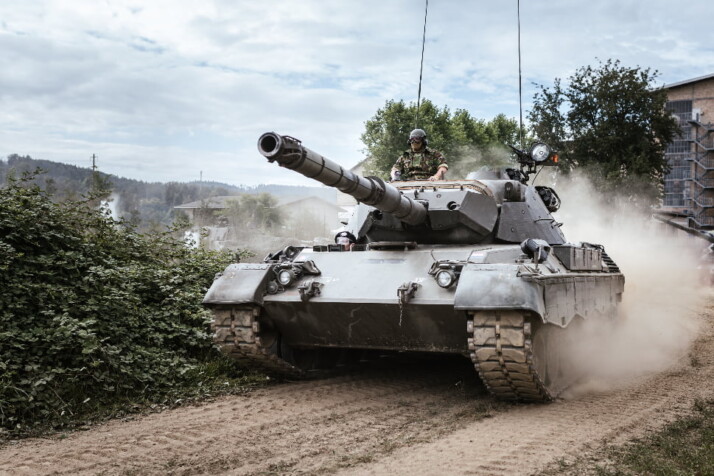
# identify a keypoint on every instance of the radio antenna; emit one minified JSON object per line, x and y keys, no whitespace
{"x":520,"y":89}
{"x":421,"y":67}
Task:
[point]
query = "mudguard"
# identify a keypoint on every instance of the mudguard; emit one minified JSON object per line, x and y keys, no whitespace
{"x":240,"y":283}
{"x":497,"y":286}
{"x":580,"y":295}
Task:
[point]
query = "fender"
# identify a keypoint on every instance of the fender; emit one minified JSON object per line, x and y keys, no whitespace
{"x":240,"y":283}
{"x":497,"y":286}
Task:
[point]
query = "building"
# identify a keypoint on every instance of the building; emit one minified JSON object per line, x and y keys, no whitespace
{"x":689,"y":186}
{"x":203,"y":212}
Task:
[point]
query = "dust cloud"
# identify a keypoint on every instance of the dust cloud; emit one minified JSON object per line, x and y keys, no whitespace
{"x":112,"y":206}
{"x":470,"y":159}
{"x":658,"y":317}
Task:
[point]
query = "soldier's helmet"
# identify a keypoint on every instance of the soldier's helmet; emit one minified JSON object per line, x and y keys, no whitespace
{"x":418,"y":135}
{"x":345,"y":238}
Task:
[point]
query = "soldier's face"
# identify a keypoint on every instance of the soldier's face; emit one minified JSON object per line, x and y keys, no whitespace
{"x":416,"y":144}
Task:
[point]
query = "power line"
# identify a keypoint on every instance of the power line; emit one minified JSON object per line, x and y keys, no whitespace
{"x":520,"y":90}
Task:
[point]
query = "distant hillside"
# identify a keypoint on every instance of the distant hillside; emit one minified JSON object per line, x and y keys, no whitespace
{"x":147,"y":204}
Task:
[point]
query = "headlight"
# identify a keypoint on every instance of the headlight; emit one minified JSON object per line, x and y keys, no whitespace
{"x":286,"y":277}
{"x":445,"y":278}
{"x":540,"y":152}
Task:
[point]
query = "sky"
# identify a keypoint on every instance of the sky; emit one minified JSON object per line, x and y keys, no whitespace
{"x":177,"y":90}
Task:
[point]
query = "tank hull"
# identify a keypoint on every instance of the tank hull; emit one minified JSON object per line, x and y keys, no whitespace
{"x":390,"y":300}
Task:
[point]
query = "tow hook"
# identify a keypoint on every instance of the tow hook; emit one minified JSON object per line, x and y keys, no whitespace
{"x":406,"y":291}
{"x":309,"y":289}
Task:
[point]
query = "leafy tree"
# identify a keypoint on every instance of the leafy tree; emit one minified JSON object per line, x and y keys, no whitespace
{"x":457,"y":135}
{"x":253,"y":211}
{"x":100,"y":185}
{"x":262,"y":211}
{"x":610,"y":120}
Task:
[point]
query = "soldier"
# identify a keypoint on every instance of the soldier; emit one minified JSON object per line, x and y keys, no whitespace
{"x":419,"y":162}
{"x":345,"y":239}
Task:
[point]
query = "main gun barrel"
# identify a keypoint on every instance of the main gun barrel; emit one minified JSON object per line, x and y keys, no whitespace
{"x":289,"y":152}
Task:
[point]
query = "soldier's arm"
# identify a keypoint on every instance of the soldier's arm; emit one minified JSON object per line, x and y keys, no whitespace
{"x":441,"y":167}
{"x":440,"y":173}
{"x":398,"y":167}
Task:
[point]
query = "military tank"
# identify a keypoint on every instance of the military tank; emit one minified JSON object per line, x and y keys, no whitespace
{"x":477,"y":267}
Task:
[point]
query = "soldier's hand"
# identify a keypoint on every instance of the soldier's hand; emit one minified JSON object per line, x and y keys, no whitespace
{"x":439,"y":175}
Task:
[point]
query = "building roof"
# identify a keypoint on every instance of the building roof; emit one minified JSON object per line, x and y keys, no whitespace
{"x":688,"y":81}
{"x":359,"y":164}
{"x":220,"y":201}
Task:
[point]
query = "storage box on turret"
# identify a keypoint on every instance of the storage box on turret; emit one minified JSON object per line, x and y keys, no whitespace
{"x":579,"y":258}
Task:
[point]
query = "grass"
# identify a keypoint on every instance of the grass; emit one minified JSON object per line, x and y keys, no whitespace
{"x":684,"y":447}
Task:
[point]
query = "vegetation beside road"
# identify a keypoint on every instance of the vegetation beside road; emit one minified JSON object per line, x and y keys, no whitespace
{"x":97,"y":319}
{"x":684,"y":447}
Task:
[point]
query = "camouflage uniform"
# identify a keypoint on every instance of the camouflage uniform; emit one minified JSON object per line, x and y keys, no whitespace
{"x":419,"y":165}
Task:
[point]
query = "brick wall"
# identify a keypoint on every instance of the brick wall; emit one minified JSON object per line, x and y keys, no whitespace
{"x":701,"y":93}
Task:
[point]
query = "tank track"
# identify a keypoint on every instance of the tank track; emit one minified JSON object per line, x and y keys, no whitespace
{"x":500,"y":346}
{"x":237,"y":332}
{"x":499,"y":343}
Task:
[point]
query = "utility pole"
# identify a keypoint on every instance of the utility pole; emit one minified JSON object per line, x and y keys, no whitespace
{"x":98,"y":185}
{"x":94,"y":172}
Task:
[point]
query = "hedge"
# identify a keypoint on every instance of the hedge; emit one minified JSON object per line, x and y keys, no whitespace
{"x":92,"y":311}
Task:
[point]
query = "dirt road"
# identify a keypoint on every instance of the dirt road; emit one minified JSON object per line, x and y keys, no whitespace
{"x":396,"y":416}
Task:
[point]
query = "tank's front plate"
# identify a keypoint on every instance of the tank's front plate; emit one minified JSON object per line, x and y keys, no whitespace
{"x":374,"y":276}
{"x":358,"y":304}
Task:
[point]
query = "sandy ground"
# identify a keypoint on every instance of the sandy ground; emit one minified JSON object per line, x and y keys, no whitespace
{"x":396,"y":416}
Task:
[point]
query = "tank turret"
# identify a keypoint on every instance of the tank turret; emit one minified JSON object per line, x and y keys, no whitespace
{"x":501,"y":208}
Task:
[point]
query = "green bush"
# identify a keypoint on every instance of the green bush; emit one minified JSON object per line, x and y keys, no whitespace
{"x":92,"y":312}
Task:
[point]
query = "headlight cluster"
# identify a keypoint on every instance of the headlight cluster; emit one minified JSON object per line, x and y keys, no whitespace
{"x":289,"y":273}
{"x":446,"y":273}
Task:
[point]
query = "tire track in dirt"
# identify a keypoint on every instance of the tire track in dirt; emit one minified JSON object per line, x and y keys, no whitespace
{"x":316,"y":426}
{"x":527,"y":439}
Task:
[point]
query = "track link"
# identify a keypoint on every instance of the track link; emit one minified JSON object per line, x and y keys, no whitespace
{"x":237,"y":332}
{"x":500,"y":346}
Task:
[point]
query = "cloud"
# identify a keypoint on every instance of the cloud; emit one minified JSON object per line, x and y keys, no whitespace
{"x":161,"y":79}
